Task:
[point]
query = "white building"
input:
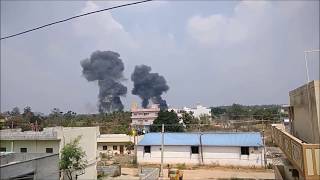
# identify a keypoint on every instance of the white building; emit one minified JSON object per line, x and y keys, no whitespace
{"x":197,"y":112}
{"x":144,"y":117}
{"x":52,"y":140}
{"x":114,"y":143}
{"x":237,"y":149}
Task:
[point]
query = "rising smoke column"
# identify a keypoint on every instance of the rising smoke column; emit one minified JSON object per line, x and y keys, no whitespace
{"x":107,"y":68}
{"x":149,"y":86}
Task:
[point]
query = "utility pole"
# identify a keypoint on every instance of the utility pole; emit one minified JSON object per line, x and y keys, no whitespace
{"x":162,"y":141}
{"x":134,"y":132}
{"x":264,"y":144}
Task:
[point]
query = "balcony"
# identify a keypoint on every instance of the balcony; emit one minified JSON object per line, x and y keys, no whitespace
{"x":303,"y":156}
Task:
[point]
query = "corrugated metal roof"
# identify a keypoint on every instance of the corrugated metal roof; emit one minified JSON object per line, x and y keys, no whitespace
{"x":208,"y":139}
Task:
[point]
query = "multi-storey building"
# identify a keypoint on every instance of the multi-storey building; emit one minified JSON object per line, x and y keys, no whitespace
{"x":144,"y":117}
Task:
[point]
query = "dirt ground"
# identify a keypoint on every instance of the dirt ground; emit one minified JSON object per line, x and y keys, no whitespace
{"x":205,"y":174}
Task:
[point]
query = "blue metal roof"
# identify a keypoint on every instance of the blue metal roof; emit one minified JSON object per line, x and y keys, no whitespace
{"x":208,"y":139}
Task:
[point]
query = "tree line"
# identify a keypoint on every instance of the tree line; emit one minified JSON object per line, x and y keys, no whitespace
{"x":119,"y":122}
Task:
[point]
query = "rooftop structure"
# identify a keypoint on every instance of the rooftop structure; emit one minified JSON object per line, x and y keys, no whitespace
{"x":301,"y":145}
{"x":29,"y":166}
{"x":17,"y":134}
{"x":52,"y":140}
{"x":305,"y":112}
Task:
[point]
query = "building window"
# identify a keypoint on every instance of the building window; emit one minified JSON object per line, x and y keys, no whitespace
{"x":195,"y":149}
{"x":49,"y":150}
{"x":145,"y":114}
{"x":115,"y":147}
{"x":3,"y":149}
{"x":244,"y":150}
{"x":23,"y":150}
{"x":147,"y":149}
{"x":105,"y":147}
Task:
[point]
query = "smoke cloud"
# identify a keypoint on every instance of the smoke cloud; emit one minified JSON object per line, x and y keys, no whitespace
{"x":107,"y":68}
{"x":149,"y":86}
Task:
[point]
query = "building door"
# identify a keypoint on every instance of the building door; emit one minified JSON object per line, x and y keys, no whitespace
{"x":121,"y":149}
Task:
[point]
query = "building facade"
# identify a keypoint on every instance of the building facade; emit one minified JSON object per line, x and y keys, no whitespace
{"x":237,"y":149}
{"x":113,"y":144}
{"x":52,"y":140}
{"x":144,"y":117}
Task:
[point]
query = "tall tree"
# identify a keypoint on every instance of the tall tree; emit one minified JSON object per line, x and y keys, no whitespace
{"x":168,"y":118}
{"x":189,"y":120}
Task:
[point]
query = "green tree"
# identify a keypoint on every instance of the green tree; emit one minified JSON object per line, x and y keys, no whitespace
{"x":218,"y":111}
{"x":237,"y":111}
{"x":72,"y":158}
{"x":168,"y":118}
{"x":189,"y":120}
{"x":27,"y":114}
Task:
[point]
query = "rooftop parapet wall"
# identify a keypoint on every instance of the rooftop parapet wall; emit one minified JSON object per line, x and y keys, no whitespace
{"x":303,"y":156}
{"x":29,"y":135}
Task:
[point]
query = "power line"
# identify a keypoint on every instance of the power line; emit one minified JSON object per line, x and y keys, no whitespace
{"x":73,"y":17}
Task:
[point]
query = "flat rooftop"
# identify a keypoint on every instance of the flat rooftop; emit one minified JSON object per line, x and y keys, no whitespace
{"x":15,"y":134}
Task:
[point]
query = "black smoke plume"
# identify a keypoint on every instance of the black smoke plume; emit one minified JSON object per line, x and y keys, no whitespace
{"x":149,"y":86}
{"x":107,"y":68}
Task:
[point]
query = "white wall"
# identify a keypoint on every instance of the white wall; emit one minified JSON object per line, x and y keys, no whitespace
{"x":211,"y":155}
{"x":32,"y":146}
{"x":88,"y":143}
{"x":172,"y":154}
{"x":232,"y":156}
{"x":110,"y":147}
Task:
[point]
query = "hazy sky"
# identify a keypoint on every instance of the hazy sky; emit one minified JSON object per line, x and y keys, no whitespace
{"x":213,"y":53}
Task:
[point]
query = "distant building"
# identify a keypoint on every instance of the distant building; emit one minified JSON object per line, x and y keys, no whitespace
{"x":29,"y":166}
{"x":114,"y":143}
{"x":237,"y":149}
{"x":144,"y":117}
{"x":52,"y":140}
{"x":197,"y":112}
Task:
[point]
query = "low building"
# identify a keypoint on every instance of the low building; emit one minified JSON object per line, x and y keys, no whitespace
{"x":237,"y":149}
{"x":144,"y":117}
{"x":112,"y":144}
{"x":29,"y":166}
{"x":52,"y":140}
